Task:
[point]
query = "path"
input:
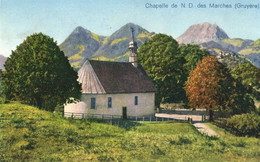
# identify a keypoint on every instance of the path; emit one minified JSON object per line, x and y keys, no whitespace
{"x":203,"y":128}
{"x":183,"y":114}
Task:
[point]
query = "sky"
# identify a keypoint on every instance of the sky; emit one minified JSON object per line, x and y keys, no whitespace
{"x":58,"y":18}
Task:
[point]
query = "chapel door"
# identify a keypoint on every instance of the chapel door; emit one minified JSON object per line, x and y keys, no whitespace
{"x":124,"y":112}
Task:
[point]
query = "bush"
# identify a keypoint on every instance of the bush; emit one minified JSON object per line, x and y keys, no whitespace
{"x":245,"y":124}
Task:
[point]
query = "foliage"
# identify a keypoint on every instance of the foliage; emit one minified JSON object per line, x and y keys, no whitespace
{"x":78,"y":56}
{"x":249,"y":76}
{"x":204,"y":84}
{"x":2,"y":86}
{"x":231,"y":60}
{"x":192,"y":54}
{"x":29,"y":134}
{"x":38,"y":73}
{"x":115,"y":41}
{"x":243,"y":125}
{"x":211,"y":86}
{"x":163,"y":63}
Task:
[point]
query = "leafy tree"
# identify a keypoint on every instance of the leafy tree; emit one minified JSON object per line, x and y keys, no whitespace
{"x":2,"y":96}
{"x":163,"y":63}
{"x":249,"y":76}
{"x":211,"y":86}
{"x":192,"y":54}
{"x":37,"y":72}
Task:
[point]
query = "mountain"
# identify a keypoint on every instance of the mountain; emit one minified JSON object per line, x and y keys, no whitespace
{"x":214,"y":39}
{"x":117,"y":44}
{"x":80,"y":45}
{"x":200,"y":33}
{"x":252,"y":52}
{"x":2,"y":62}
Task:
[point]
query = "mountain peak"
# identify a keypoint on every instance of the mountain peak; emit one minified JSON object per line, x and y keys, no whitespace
{"x":80,"y":30}
{"x":205,"y":32}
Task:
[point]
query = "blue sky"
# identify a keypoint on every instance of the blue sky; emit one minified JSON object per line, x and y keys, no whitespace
{"x":58,"y":18}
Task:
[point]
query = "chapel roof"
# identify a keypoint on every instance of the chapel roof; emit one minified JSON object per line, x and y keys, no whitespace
{"x":99,"y":77}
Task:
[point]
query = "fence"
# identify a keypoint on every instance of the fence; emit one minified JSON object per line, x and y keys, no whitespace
{"x":116,"y":117}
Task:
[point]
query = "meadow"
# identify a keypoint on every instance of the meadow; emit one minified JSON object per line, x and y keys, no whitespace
{"x":30,"y":134}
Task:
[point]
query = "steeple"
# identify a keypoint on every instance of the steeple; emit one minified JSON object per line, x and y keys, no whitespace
{"x":133,"y":50}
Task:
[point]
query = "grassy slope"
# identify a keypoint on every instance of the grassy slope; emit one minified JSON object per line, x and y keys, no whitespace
{"x":118,"y":41}
{"x":78,"y":56}
{"x":251,"y":49}
{"x":27,"y":133}
{"x":234,"y":42}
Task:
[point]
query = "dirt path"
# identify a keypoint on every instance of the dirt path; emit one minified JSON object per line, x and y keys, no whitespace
{"x":203,"y":128}
{"x":184,"y":114}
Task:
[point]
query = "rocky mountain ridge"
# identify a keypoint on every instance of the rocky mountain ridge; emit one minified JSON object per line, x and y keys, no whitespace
{"x":82,"y":44}
{"x":200,"y":33}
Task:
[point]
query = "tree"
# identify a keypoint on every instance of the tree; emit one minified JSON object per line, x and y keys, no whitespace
{"x":203,"y":87}
{"x":249,"y":76}
{"x":211,"y":86}
{"x":163,"y":63}
{"x":192,"y":54}
{"x":2,"y":96}
{"x":38,"y":73}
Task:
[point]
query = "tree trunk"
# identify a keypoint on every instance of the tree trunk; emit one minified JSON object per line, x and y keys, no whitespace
{"x":210,"y":115}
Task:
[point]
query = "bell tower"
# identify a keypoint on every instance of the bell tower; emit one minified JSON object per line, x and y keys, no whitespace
{"x":133,"y":50}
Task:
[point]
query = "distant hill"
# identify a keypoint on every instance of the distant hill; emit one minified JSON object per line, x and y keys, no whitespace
{"x":2,"y":62}
{"x":211,"y":37}
{"x":117,"y":43}
{"x":82,"y":44}
{"x":200,"y":33}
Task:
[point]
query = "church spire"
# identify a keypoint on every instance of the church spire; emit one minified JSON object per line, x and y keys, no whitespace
{"x":133,"y":50}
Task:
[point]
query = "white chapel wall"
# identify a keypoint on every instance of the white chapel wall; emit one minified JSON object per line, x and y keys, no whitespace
{"x":145,"y":104}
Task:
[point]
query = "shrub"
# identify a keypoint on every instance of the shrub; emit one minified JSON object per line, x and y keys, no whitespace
{"x":245,"y":124}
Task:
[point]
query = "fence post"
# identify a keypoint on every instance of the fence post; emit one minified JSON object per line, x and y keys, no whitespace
{"x":143,"y":118}
{"x":83,"y":116}
{"x":150,"y":118}
{"x":135,"y":118}
{"x":162,"y":119}
{"x":156,"y":118}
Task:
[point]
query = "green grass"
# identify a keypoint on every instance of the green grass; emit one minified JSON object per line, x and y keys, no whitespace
{"x":29,"y":134}
{"x":248,"y":51}
{"x":105,"y":40}
{"x":118,"y":41}
{"x":96,"y":37}
{"x":75,"y":65}
{"x":143,"y":34}
{"x":253,"y":48}
{"x":234,"y":42}
{"x":78,"y":56}
{"x":256,"y":43}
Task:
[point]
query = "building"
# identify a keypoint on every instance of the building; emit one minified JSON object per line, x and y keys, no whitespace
{"x":114,"y":88}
